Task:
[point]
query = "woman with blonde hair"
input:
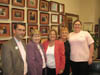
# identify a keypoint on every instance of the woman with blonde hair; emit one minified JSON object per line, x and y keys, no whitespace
{"x":64,"y":37}
{"x":35,"y":55}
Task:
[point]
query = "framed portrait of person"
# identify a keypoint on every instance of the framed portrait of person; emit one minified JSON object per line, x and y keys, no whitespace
{"x":18,"y":3}
{"x":44,"y":18}
{"x":17,"y":14}
{"x":44,"y":30}
{"x":54,"y":18}
{"x":54,"y":6}
{"x":32,"y":16}
{"x":32,"y":4}
{"x":44,"y":5}
{"x":4,"y":30}
{"x":4,"y":12}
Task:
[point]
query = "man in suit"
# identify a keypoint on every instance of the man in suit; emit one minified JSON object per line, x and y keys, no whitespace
{"x":13,"y":53}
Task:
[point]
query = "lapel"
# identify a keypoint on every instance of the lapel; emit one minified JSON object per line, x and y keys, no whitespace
{"x":43,"y":51}
{"x":15,"y":48}
{"x":36,"y":48}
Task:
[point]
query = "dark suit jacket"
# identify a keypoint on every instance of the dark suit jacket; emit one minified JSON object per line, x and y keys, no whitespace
{"x":11,"y":58}
{"x":34,"y":59}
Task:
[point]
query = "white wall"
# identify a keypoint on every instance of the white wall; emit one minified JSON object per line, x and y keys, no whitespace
{"x":88,"y":10}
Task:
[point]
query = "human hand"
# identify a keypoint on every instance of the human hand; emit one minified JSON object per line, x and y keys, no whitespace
{"x":61,"y":71}
{"x":90,"y":61}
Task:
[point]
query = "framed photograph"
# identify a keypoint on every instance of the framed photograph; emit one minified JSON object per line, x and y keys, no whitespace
{"x":44,"y":30}
{"x":54,"y":6}
{"x":4,"y":1}
{"x":61,"y":19}
{"x":32,"y":16}
{"x":17,"y":14}
{"x":44,"y":6}
{"x":18,"y":3}
{"x":55,"y":18}
{"x":88,"y":26}
{"x":32,"y":3}
{"x":44,"y":18}
{"x":96,"y":28}
{"x":31,"y":28}
{"x":4,"y":29}
{"x":13,"y":26}
{"x":61,"y":8}
{"x":56,"y":27}
{"x":4,"y":12}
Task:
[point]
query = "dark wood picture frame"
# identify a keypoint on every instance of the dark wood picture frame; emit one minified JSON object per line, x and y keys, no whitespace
{"x":30,"y":28}
{"x":44,"y":5}
{"x":44,"y":30}
{"x":55,"y":18}
{"x":15,"y":24}
{"x":18,"y":3}
{"x":54,"y":6}
{"x":61,"y":8}
{"x":4,"y":12}
{"x":5,"y":1}
{"x":61,"y":19}
{"x":44,"y":18}
{"x":17,"y":14}
{"x":32,"y":16}
{"x":32,"y":3}
{"x":96,"y":28}
{"x":4,"y":30}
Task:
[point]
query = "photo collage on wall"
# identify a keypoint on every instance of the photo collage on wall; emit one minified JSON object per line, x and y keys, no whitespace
{"x":35,"y":14}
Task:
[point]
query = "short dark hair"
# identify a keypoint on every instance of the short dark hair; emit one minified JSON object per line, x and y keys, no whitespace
{"x":77,"y":21}
{"x":16,"y":24}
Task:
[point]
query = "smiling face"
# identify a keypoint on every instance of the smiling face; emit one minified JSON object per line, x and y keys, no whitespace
{"x":19,"y":32}
{"x":64,"y":34}
{"x":36,"y":38}
{"x":77,"y":26}
{"x":52,"y":35}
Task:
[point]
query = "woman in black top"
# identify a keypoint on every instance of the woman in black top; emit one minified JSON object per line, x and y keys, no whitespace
{"x":64,"y":37}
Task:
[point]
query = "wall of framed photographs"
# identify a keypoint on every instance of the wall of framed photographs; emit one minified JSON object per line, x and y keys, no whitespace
{"x":35,"y":14}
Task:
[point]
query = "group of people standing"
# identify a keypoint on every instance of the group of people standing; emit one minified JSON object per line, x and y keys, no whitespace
{"x":71,"y":52}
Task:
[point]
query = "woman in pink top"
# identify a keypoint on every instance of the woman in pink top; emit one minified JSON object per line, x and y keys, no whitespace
{"x":82,"y":48}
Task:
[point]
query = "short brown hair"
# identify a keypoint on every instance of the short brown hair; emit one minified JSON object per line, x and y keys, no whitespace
{"x":77,"y":21}
{"x":50,"y":32}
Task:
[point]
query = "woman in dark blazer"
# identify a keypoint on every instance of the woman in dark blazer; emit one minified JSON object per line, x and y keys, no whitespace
{"x":35,"y":55}
{"x":64,"y":37}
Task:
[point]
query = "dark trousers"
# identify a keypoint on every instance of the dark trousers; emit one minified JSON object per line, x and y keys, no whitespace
{"x":51,"y":71}
{"x":79,"y":68}
{"x":44,"y":72}
{"x":67,"y":69}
